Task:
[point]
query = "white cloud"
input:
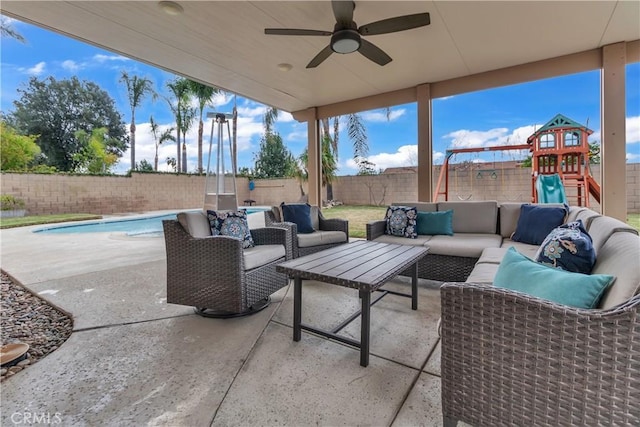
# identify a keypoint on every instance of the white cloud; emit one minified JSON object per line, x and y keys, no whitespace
{"x":36,"y":70}
{"x":70,"y":65}
{"x":297,"y":135}
{"x":107,"y":58}
{"x":381,"y":116}
{"x":633,"y":158}
{"x":633,"y":130}
{"x":285,"y":117}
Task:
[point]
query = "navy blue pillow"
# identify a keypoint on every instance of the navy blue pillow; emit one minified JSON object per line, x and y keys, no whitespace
{"x":568,"y":247}
{"x":536,"y":222}
{"x":299,"y":214}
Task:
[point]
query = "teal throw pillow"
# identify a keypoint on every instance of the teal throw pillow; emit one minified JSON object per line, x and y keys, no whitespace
{"x":536,"y":222}
{"x":436,"y":223}
{"x":401,"y":221}
{"x":519,"y":273}
{"x":232,"y":224}
{"x":568,"y":247}
{"x":299,"y":214}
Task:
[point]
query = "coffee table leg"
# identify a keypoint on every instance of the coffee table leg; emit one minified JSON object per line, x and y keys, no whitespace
{"x":297,"y":308}
{"x":414,"y":287}
{"x":365,"y":323}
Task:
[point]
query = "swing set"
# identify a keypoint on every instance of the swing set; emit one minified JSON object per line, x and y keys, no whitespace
{"x":444,"y":171}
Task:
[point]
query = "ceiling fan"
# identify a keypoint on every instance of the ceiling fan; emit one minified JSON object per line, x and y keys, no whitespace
{"x":346,"y":36}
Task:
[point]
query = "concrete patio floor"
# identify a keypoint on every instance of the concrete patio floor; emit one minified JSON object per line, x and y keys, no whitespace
{"x":133,"y":359}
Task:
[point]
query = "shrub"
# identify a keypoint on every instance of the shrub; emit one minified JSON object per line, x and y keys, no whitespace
{"x":10,"y":203}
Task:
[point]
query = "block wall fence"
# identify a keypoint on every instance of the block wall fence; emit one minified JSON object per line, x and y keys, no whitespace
{"x":143,"y":192}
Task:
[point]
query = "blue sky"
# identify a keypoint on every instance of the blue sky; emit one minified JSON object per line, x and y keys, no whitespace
{"x":506,"y":115}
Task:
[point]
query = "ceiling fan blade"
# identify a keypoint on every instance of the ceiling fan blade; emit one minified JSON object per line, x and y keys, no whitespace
{"x":392,"y":25}
{"x":320,"y":57}
{"x":343,"y":11}
{"x":374,"y":53}
{"x":295,"y":32}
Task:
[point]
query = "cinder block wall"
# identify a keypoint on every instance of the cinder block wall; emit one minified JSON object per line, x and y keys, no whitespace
{"x":49,"y":194}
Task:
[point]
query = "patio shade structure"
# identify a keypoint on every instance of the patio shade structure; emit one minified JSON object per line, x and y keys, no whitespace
{"x":468,"y":46}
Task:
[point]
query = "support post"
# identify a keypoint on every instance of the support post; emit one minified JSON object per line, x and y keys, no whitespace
{"x":613,"y":145}
{"x":425,"y":143}
{"x":315,"y":160}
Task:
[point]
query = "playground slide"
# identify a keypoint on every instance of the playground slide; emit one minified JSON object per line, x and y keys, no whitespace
{"x":550,"y":189}
{"x":594,"y":188}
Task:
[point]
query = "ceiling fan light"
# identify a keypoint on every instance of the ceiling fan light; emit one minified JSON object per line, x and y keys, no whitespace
{"x":170,"y":7}
{"x":346,"y":41}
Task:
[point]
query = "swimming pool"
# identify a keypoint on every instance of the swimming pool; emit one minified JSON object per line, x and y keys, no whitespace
{"x":145,"y":226}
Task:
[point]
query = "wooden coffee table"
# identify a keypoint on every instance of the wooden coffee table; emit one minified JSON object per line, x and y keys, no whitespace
{"x":362,"y":265}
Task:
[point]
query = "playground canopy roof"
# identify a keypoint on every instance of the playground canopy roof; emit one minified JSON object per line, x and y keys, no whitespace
{"x":560,"y":122}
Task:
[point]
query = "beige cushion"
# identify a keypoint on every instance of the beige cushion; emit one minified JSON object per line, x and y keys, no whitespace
{"x":420,"y":206}
{"x":256,"y":220}
{"x":468,"y":245}
{"x":277,"y":213}
{"x":602,"y":227}
{"x":619,"y":257}
{"x":421,"y":240}
{"x":196,"y":223}
{"x":321,"y":238}
{"x":262,"y":254}
{"x":473,"y":217}
{"x":524,"y":248}
{"x":315,"y":219}
{"x":483,"y":273}
{"x":492,"y":255}
{"x":509,"y":214}
{"x":586,"y":215}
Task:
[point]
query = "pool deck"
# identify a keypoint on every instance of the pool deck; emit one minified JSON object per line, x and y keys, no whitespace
{"x":133,"y":359}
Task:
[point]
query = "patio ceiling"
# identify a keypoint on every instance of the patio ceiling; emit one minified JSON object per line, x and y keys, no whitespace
{"x":223,"y":43}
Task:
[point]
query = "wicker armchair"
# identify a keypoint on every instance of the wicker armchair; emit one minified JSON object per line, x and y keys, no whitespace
{"x":210,"y":272}
{"x":329,"y":232}
{"x":510,"y":359}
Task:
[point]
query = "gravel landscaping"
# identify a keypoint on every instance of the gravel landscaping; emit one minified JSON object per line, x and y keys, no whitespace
{"x":27,"y":318}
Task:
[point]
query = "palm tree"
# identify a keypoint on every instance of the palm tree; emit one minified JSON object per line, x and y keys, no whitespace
{"x":329,"y":164}
{"x":159,"y":139}
{"x":179,"y":88}
{"x":269,"y":119}
{"x":6,"y":30}
{"x":204,"y":94}
{"x":137,"y":89}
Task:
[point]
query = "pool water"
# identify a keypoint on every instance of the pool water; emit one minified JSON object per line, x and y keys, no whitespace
{"x":146,"y":226}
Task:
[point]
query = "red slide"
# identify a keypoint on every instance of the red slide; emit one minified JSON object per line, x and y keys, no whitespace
{"x":594,"y":188}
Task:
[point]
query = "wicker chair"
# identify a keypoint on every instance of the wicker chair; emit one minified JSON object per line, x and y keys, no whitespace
{"x":329,"y":232}
{"x":211,"y":274}
{"x":510,"y":359}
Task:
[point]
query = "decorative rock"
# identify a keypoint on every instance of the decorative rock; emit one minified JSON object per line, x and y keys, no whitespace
{"x":25,"y":317}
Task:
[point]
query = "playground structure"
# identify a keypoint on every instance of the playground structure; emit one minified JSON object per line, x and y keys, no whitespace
{"x":559,"y":164}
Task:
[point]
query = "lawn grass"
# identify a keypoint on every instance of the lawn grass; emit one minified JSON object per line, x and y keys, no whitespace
{"x":44,"y":219}
{"x":633,"y":219}
{"x":358,"y":217}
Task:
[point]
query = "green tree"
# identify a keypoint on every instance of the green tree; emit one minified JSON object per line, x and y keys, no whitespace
{"x":56,"y":109}
{"x":159,"y":138}
{"x":145,"y":166}
{"x":329,"y":164}
{"x":137,"y":89}
{"x":7,"y":30}
{"x":273,"y":160}
{"x":18,"y":151}
{"x":204,"y":95}
{"x":184,"y":114}
{"x":93,"y":157}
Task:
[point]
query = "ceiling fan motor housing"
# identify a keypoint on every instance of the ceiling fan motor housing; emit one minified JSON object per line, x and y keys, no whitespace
{"x":345,"y":41}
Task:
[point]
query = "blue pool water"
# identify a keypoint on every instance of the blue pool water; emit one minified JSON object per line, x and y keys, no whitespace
{"x":147,"y":226}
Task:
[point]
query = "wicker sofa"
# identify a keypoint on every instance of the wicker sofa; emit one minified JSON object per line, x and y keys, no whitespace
{"x":328,"y":232}
{"x":512,"y":359}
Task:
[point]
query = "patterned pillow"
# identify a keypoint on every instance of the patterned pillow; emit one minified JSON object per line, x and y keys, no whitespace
{"x":568,"y":247}
{"x":401,"y":221}
{"x":232,"y":224}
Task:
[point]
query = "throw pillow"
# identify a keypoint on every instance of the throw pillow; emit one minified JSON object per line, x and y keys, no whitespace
{"x":536,"y":222}
{"x":519,"y":273}
{"x":299,"y":214}
{"x":568,"y":247}
{"x":436,"y":223}
{"x":401,"y":221}
{"x":231,"y":223}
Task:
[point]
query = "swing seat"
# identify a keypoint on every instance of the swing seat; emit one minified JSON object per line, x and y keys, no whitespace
{"x":550,"y":189}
